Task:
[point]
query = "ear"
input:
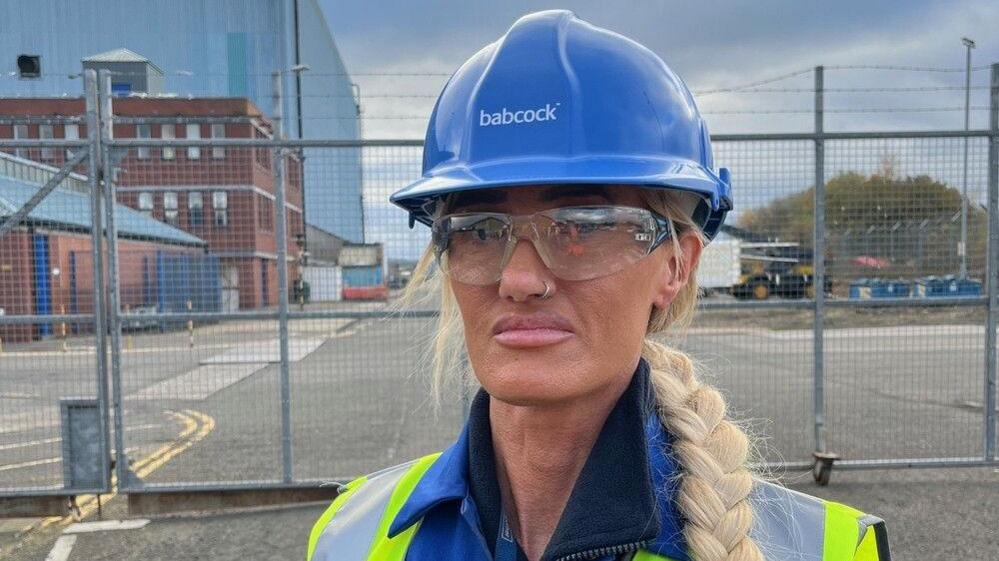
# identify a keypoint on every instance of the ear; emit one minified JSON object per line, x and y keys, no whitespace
{"x":676,"y":269}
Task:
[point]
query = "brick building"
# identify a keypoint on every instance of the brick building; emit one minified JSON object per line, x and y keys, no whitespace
{"x":223,"y":195}
{"x":46,"y":262}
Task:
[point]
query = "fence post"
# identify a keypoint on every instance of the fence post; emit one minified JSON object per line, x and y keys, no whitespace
{"x":819,"y":266}
{"x":114,"y":297}
{"x":282,"y":270}
{"x":92,"y":102}
{"x":992,"y":279}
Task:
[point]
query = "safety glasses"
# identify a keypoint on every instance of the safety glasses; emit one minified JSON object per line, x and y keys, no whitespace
{"x":576,"y":243}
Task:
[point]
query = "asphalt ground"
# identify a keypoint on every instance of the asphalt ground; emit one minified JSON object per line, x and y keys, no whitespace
{"x":212,"y":414}
{"x":943,"y":514}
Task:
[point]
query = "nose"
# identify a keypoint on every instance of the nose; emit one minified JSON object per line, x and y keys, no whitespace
{"x":525,"y":274}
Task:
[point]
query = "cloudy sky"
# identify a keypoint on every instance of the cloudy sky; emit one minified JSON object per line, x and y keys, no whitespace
{"x":712,"y":45}
{"x":400,"y":53}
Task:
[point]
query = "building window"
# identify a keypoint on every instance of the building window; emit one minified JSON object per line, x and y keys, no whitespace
{"x":195,"y":209}
{"x":262,"y":155}
{"x":220,"y":203}
{"x":218,"y":131}
{"x":71,"y":132}
{"x":146,"y":203}
{"x":265,"y":210}
{"x":45,"y":132}
{"x":264,"y":300}
{"x":168,"y":132}
{"x":170,"y":208}
{"x":143,"y":131}
{"x":193,"y":133}
{"x":20,"y":133}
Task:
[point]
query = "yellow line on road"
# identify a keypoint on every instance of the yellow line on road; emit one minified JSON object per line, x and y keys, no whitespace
{"x":197,"y":426}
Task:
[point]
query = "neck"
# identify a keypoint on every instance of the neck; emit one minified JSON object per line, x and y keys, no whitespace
{"x":540,"y":452}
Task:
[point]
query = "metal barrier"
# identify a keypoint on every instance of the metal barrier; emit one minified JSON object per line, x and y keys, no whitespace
{"x":225,"y":349}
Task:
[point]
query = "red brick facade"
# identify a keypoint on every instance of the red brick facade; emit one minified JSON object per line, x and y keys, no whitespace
{"x":70,"y":277}
{"x":224,"y":196}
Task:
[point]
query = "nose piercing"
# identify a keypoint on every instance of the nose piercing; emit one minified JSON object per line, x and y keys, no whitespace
{"x":547,"y":294}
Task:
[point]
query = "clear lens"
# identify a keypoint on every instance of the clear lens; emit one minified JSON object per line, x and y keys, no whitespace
{"x":575,"y":243}
{"x":471,"y":247}
{"x":581,"y":243}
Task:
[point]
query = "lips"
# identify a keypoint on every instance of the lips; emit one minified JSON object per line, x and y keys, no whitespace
{"x":531,"y":330}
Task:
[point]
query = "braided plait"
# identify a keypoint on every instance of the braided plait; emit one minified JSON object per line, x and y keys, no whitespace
{"x":714,"y":483}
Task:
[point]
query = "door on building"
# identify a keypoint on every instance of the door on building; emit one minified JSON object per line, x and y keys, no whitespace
{"x":230,"y":288}
{"x":43,"y":288}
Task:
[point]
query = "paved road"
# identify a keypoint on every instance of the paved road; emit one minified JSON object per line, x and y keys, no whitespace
{"x":901,"y":392}
{"x":357,"y":404}
{"x":931,"y":514}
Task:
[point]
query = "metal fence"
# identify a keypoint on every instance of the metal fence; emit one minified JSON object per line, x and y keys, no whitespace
{"x":167,"y":312}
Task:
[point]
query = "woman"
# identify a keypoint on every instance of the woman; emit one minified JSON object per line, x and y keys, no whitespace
{"x":568,"y":184}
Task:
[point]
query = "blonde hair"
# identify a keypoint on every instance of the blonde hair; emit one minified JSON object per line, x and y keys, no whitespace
{"x":711,"y":450}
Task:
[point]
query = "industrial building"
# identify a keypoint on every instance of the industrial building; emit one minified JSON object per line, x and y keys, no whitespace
{"x":224,"y":196}
{"x":203,"y":49}
{"x":46,"y":262}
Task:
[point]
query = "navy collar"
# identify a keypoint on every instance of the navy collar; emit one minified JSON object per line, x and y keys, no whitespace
{"x":625,"y":493}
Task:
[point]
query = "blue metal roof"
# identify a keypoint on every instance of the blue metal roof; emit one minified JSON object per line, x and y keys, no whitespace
{"x":70,"y":210}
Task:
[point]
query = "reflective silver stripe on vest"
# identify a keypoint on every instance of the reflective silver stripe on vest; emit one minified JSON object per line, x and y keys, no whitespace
{"x":349,"y":534}
{"x":787,"y":525}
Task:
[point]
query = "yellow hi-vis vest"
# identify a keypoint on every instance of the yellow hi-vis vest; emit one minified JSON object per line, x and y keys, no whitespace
{"x":788,"y":525}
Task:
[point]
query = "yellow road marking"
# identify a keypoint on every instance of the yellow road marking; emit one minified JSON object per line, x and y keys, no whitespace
{"x":197,"y":426}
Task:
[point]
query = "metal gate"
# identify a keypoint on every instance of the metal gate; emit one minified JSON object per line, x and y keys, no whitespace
{"x":151,"y":370}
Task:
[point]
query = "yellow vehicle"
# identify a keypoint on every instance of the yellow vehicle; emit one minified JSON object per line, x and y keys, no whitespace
{"x":781,"y":270}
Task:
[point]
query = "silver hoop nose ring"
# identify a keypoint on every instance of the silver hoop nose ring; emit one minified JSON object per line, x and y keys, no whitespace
{"x":547,"y":293}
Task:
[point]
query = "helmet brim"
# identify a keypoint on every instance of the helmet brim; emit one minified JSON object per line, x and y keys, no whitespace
{"x":652,"y":171}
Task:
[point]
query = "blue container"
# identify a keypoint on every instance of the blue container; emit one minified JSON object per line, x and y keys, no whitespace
{"x":966,"y":287}
{"x":363,"y":276}
{"x":949,"y":286}
{"x":864,"y":288}
{"x":889,"y":289}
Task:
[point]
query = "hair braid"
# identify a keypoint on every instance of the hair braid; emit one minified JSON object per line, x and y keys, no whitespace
{"x":711,"y":451}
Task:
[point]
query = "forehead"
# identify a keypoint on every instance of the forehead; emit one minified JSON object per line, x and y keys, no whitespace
{"x":524,"y":198}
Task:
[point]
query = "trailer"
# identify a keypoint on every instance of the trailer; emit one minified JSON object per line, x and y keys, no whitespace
{"x":720,"y":265}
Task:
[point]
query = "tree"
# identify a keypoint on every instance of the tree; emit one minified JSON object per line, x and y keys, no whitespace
{"x":911,"y":222}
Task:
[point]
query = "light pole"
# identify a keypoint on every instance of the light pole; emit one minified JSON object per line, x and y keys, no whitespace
{"x":962,"y":249}
{"x":356,"y":89}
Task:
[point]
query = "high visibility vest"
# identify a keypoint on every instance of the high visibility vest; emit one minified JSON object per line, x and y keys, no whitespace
{"x":788,"y":525}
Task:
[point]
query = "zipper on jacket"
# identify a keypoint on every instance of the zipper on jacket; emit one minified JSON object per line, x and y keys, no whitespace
{"x":604,"y":551}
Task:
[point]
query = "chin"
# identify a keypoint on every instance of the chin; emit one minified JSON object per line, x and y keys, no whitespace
{"x":533,"y":377}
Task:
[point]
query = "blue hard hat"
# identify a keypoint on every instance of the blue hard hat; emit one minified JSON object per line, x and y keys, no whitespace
{"x":560,"y":101}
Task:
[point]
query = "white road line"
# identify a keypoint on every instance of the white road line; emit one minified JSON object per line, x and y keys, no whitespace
{"x":105,"y":525}
{"x":32,"y":463}
{"x":62,"y":548}
{"x":58,"y":439}
{"x":29,"y":443}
